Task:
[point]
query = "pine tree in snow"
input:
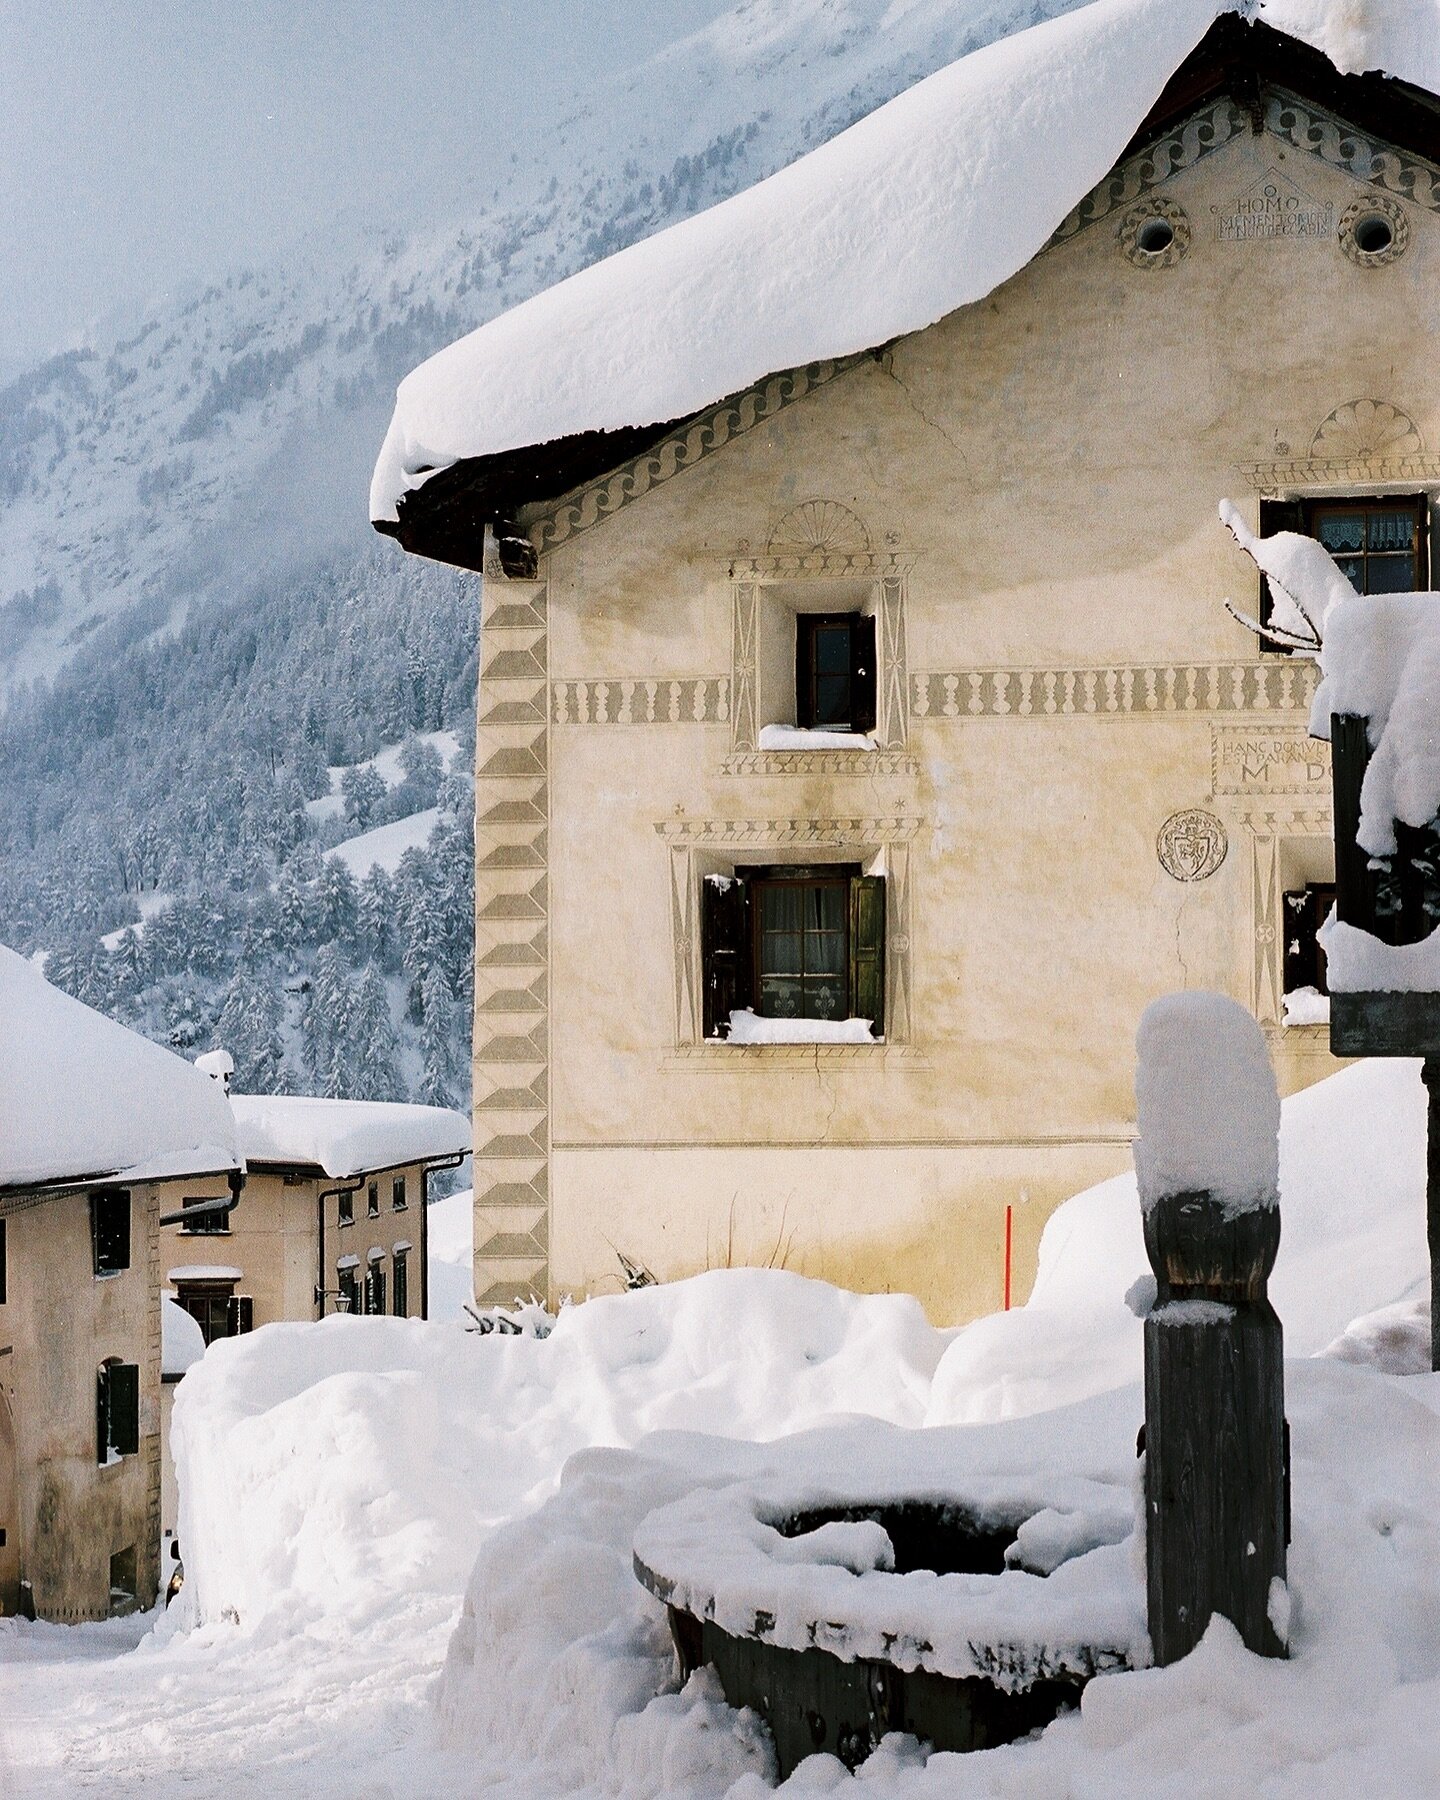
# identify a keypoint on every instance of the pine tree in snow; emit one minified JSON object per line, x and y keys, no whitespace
{"x":375,"y":927}
{"x":325,"y":1019}
{"x":437,"y":1041}
{"x":373,"y":1049}
{"x":364,"y":790}
{"x":128,"y":966}
{"x":336,"y":902}
{"x":249,"y":1028}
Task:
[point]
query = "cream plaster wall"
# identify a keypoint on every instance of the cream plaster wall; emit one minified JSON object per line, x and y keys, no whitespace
{"x":1039,"y":475}
{"x":58,"y":1324}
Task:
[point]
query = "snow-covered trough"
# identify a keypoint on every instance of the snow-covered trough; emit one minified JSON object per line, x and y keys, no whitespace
{"x":966,"y":1618}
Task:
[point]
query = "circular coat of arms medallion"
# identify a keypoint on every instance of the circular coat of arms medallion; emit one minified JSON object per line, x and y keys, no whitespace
{"x":1191,"y":844}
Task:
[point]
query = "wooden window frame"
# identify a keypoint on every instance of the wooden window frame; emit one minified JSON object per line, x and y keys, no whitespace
{"x":400,"y":1285}
{"x":372,"y":1200}
{"x":213,"y":1222}
{"x":1299,"y":513}
{"x":345,"y":1206}
{"x":373,"y":1290}
{"x":117,"y":1409}
{"x":860,"y":674}
{"x":216,"y":1300}
{"x":110,"y":1231}
{"x":732,"y":941}
{"x":348,"y":1287}
{"x":398,"y":1202}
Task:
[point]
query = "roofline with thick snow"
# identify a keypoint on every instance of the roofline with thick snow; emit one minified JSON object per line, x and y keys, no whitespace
{"x":445,"y":518}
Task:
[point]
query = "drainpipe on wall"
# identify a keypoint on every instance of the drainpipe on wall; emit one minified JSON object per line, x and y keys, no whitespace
{"x":321,"y":1291}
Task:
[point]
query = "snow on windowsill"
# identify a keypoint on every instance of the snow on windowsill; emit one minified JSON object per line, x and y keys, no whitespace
{"x":1358,"y":963}
{"x":1306,"y":1006}
{"x":796,"y":737}
{"x":749,"y":1028}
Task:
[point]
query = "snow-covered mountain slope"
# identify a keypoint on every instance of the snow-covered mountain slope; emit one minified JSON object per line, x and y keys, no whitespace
{"x":232,"y":435}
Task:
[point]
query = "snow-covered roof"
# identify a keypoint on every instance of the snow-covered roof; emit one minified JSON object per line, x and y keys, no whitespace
{"x":924,"y":206}
{"x":344,"y":1137}
{"x":82,"y":1098}
{"x":928,"y":203}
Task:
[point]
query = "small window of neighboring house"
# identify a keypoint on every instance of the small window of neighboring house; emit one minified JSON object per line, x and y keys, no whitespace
{"x":117,"y":1410}
{"x":397,"y":1193}
{"x":214,"y":1306}
{"x":400,"y":1295}
{"x":3,"y":1263}
{"x":349,"y":1289}
{"x":835,"y":672}
{"x":1306,"y":910}
{"x":794,"y":944}
{"x":1381,"y":542}
{"x":345,"y":1205}
{"x":110,"y":1230}
{"x":372,"y":1200}
{"x":375,"y":1288}
{"x":213,"y":1221}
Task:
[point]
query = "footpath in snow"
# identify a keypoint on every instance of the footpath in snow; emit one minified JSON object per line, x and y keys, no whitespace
{"x":409,"y":1546}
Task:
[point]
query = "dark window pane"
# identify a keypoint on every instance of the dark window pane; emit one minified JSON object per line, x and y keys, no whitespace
{"x":1353,"y":569}
{"x":781,"y":997}
{"x":832,"y":650}
{"x":401,"y":1302}
{"x":826,"y":1000}
{"x":782,"y":953}
{"x":827,"y":906}
{"x":1389,"y":574}
{"x":1342,"y":531}
{"x":832,"y":700}
{"x":825,"y":953}
{"x":782,"y":906}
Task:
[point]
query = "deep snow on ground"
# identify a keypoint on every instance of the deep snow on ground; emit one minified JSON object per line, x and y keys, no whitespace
{"x":344,"y":1485}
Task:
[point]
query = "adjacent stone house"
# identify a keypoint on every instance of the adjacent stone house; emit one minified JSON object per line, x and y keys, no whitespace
{"x":100,"y":1131}
{"x":863,"y":738}
{"x":332,"y":1217}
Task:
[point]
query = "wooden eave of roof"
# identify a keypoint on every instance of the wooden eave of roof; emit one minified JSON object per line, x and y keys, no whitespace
{"x":445,"y":519}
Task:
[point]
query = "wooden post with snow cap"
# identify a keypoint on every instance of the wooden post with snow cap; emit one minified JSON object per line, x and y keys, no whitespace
{"x":1207,"y":1163}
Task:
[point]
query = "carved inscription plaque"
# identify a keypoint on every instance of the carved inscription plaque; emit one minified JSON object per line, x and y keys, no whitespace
{"x":1274,"y":207}
{"x":1278,"y":761}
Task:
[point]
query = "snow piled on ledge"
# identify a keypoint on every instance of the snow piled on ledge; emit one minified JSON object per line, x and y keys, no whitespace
{"x":925,"y":205}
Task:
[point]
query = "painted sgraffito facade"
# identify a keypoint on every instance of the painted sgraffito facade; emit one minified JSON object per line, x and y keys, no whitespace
{"x":1089,"y":783}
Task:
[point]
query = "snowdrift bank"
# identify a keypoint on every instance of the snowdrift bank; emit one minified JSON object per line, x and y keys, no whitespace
{"x":1352,"y":1207}
{"x":560,"y":1674}
{"x":331,"y":1474}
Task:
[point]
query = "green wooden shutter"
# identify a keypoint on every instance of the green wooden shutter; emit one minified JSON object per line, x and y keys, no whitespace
{"x":862,"y":675}
{"x":867,"y":951}
{"x":125,"y":1408}
{"x":1276,"y":515}
{"x":725,"y":951}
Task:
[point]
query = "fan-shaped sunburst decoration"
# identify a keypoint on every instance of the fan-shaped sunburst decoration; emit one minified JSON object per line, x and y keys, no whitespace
{"x":819,"y":528}
{"x":1365,"y":430}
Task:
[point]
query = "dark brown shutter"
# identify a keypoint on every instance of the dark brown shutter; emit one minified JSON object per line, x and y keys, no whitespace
{"x":1421,"y":503}
{"x":862,"y":675}
{"x":239,"y":1315}
{"x":1276,"y":515}
{"x":867,"y":951}
{"x":724,"y":952}
{"x":102,"y":1414}
{"x":1300,"y":924}
{"x":125,"y":1408}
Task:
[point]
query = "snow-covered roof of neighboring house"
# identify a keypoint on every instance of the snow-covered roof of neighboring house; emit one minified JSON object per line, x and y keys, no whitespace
{"x":344,"y":1137}
{"x":924,"y":206}
{"x":85,"y":1099}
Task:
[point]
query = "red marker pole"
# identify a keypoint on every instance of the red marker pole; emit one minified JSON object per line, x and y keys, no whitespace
{"x":1009,"y":1244}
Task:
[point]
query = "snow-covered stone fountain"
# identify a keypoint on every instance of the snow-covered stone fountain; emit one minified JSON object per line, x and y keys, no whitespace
{"x":967,"y":1606}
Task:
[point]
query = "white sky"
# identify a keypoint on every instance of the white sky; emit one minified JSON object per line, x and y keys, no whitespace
{"x":148,"y":144}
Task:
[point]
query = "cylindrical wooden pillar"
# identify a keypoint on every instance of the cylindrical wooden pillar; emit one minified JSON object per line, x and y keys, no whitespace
{"x":1216,"y":1483}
